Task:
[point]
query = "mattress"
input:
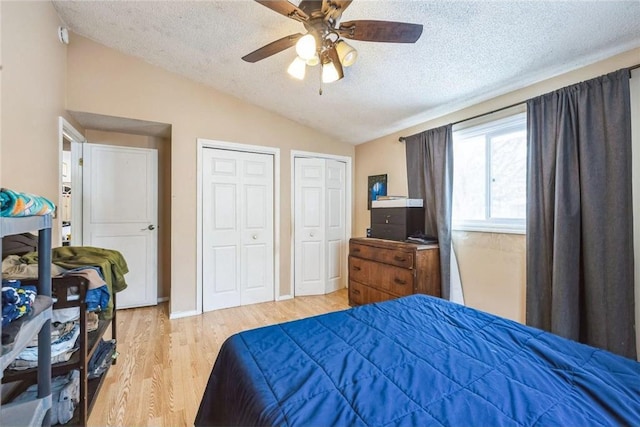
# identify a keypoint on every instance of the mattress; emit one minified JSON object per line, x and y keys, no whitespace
{"x":416,"y":361}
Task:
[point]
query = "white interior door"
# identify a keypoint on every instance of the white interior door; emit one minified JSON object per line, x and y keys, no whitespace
{"x":237,"y":225}
{"x":320,"y":225}
{"x":309,"y":211}
{"x":76,"y":193}
{"x":120,"y":212}
{"x":335,"y":247}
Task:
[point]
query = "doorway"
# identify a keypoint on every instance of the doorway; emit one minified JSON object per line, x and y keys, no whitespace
{"x":134,"y":133}
{"x":70,"y":215}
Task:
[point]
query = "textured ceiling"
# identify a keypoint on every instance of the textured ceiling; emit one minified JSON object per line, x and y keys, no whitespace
{"x":469,"y":51}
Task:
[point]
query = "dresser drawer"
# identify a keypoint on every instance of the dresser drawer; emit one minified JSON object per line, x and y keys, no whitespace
{"x":360,"y":251}
{"x":388,"y":256}
{"x":375,"y":295}
{"x":358,"y":269}
{"x":398,"y":281}
{"x":358,"y":293}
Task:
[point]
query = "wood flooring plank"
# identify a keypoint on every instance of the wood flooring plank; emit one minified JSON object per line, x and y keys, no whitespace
{"x":164,"y":365}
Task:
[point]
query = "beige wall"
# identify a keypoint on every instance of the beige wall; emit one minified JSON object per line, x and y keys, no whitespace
{"x":492,"y":266}
{"x":33,"y":97}
{"x":163,"y":146}
{"x":103,"y":81}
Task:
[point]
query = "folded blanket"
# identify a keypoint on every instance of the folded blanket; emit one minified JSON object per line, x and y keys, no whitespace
{"x":62,"y":345}
{"x":15,"y":267}
{"x":13,"y":203}
{"x":111,"y":262}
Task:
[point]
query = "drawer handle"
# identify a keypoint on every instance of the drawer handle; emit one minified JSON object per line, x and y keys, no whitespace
{"x":355,"y":291}
{"x":399,"y":258}
{"x":400,"y":281}
{"x":355,"y":250}
{"x":356,"y":268}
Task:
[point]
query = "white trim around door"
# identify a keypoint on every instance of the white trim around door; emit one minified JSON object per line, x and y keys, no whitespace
{"x":348,"y":205}
{"x":66,"y":130}
{"x":203,"y":144}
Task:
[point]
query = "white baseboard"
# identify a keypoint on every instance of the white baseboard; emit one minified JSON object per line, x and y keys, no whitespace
{"x":163,"y":299}
{"x":284,"y":297}
{"x":181,"y":314}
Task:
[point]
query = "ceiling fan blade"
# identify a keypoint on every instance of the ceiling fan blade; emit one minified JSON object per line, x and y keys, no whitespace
{"x":332,"y":53}
{"x":341,"y":4}
{"x":285,"y":8}
{"x":309,"y":6}
{"x":272,"y":48}
{"x":333,"y":9}
{"x":380,"y":31}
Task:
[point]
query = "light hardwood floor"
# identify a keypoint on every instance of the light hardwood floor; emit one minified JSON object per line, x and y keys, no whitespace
{"x":164,"y":364}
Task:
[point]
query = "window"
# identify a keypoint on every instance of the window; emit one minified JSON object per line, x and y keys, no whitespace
{"x":489,"y":176}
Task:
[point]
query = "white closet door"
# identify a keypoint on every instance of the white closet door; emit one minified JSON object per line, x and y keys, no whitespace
{"x":256,"y":280}
{"x":309,"y":211}
{"x":237,"y":236}
{"x":335,"y":247}
{"x":320,"y":226}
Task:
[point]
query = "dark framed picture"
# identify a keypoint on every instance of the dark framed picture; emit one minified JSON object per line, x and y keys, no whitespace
{"x":377,"y":187}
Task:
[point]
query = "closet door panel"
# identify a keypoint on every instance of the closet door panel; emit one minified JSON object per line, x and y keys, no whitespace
{"x":238,"y":228}
{"x":309,"y":203}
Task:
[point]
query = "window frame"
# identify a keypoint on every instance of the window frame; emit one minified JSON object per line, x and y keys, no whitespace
{"x":491,"y":128}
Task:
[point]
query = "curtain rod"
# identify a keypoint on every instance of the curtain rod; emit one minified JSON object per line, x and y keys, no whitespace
{"x":403,"y":139}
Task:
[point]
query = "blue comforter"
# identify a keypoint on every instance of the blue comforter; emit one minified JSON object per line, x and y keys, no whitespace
{"x":416,"y":361}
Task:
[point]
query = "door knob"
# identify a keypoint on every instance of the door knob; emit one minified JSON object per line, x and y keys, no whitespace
{"x":150,"y":227}
{"x":254,"y":237}
{"x":311,"y":234}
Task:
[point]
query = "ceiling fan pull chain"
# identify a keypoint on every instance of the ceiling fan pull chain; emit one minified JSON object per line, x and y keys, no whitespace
{"x":320,"y":91}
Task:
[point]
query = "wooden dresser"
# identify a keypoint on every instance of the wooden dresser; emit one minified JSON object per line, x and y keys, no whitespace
{"x":380,"y":270}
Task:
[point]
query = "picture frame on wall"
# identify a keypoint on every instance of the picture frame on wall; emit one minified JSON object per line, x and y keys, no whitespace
{"x":377,"y":186}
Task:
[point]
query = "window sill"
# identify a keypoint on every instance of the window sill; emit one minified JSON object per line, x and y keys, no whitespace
{"x":490,"y":228}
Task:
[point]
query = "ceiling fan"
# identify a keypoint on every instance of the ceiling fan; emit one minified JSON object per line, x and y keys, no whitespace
{"x":323,"y":43}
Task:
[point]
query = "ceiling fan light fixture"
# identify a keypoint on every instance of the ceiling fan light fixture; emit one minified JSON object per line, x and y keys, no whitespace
{"x":297,"y":69}
{"x":346,"y":53}
{"x":329,"y":73}
{"x":313,"y":61}
{"x":306,"y":47}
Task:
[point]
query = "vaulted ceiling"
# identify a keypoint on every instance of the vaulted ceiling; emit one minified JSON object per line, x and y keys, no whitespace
{"x":469,"y":51}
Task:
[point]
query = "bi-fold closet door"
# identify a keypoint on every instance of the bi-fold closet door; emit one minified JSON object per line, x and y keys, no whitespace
{"x":319,"y":231}
{"x":237,"y":228}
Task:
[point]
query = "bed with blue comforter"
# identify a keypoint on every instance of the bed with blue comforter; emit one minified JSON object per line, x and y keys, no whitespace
{"x":416,"y":361}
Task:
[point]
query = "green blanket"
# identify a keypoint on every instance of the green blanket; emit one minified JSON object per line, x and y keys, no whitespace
{"x":111,"y":262}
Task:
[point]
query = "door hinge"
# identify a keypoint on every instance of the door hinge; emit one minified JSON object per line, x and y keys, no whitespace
{"x":80,"y":161}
